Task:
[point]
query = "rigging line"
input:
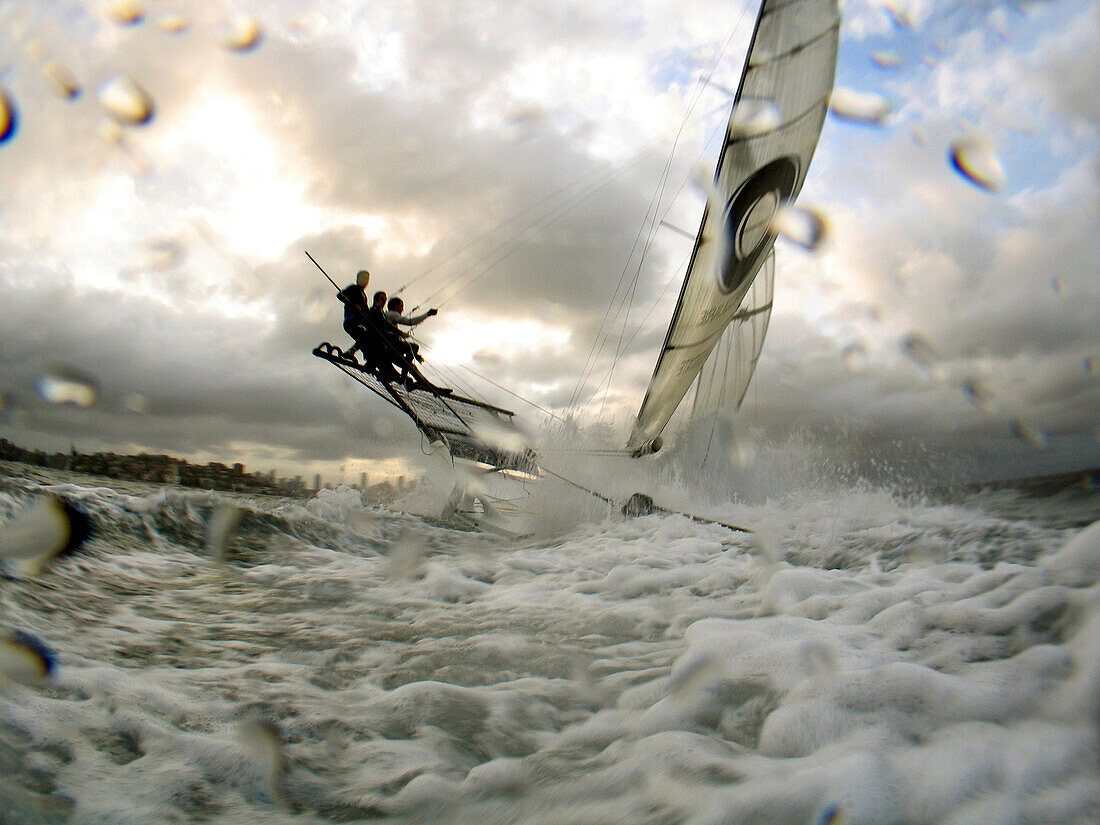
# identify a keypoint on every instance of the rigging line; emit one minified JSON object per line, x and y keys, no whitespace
{"x":510,"y":392}
{"x":584,"y":179}
{"x":641,"y":324}
{"x":509,"y":245}
{"x":603,"y":332}
{"x":700,"y":86}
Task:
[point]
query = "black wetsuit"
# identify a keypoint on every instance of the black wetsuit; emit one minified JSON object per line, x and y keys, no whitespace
{"x":354,"y":299}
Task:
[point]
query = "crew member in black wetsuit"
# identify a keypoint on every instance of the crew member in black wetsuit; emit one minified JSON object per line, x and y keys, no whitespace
{"x":395,"y":349}
{"x":354,"y":299}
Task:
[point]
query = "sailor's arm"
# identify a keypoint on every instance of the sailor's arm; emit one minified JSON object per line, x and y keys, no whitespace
{"x":412,"y":321}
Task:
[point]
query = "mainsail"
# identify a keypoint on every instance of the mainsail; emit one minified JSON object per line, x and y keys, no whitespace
{"x":773,"y":129}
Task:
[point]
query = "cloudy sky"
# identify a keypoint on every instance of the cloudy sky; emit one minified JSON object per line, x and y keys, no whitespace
{"x":167,"y":164}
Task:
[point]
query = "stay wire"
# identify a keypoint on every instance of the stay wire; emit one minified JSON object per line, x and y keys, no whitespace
{"x":700,"y":87}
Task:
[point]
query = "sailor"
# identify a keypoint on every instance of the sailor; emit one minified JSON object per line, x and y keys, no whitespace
{"x":394,"y":314}
{"x":354,"y":299}
{"x":394,"y":348}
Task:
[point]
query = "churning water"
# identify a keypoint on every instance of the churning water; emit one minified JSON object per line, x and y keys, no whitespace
{"x":865,"y":658}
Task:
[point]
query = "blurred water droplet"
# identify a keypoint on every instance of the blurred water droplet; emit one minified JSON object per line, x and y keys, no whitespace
{"x":1089,"y":364}
{"x":860,"y":107}
{"x":221,"y":526}
{"x":979,"y":395}
{"x":44,"y":529}
{"x":405,"y":559}
{"x":126,"y":12}
{"x":173,"y":24}
{"x":753,"y":116}
{"x":9,"y":119}
{"x":975,"y":160}
{"x":125,"y":101}
{"x":164,"y":254}
{"x":136,"y":403}
{"x":761,"y":56}
{"x":804,"y":226}
{"x":364,"y":524}
{"x":742,"y":450}
{"x":62,"y":80}
{"x":315,"y":309}
{"x":60,"y":384}
{"x":504,"y":437}
{"x":832,"y":814}
{"x":887,"y":60}
{"x":525,"y":123}
{"x":819,"y":658}
{"x":1028,"y":434}
{"x":110,"y":131}
{"x":1056,"y":285}
{"x":919,"y":135}
{"x":766,"y":543}
{"x":25,"y":659}
{"x":900,"y":14}
{"x":921,"y":352}
{"x":264,"y":739}
{"x":854,"y":357}
{"x":242,"y":33}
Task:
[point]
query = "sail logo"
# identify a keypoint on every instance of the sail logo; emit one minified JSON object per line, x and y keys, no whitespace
{"x":747,"y":221}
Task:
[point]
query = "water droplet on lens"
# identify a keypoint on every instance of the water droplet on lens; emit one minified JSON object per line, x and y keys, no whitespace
{"x":46,"y":528}
{"x":887,"y":60}
{"x":65,"y":385}
{"x":854,"y":357}
{"x":1056,"y":285}
{"x":803,"y":225}
{"x":761,"y":56}
{"x":62,"y":79}
{"x":173,"y":24}
{"x":753,"y":116}
{"x":242,"y":33}
{"x":8,"y":117}
{"x":819,"y":658}
{"x":221,"y":526}
{"x":978,"y":395}
{"x":920,"y":350}
{"x":136,"y":403}
{"x":315,"y":309}
{"x":126,"y":101}
{"x":1028,"y":434}
{"x":900,"y":15}
{"x":1089,"y":363}
{"x":25,"y":659}
{"x":126,"y":12}
{"x":975,"y":160}
{"x":860,"y":107}
{"x":919,"y":135}
{"x":164,"y":254}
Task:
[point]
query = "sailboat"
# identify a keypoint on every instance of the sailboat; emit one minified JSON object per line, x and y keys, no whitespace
{"x":717,"y":329}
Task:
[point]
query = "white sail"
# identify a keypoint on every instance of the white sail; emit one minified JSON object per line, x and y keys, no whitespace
{"x":772,"y":133}
{"x":726,"y":374}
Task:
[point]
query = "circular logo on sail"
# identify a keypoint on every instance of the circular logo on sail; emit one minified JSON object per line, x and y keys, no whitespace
{"x":748,"y":218}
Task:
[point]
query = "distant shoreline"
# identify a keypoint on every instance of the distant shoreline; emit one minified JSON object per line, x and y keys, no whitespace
{"x":158,"y":469}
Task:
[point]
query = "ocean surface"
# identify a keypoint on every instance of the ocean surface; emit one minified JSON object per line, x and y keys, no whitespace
{"x":863,"y":657}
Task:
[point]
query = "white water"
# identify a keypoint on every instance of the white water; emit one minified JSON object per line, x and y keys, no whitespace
{"x":907,"y":662}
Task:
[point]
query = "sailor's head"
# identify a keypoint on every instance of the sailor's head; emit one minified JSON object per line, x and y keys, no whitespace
{"x":362,"y":278}
{"x":396,"y":304}
{"x":379,"y":299}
